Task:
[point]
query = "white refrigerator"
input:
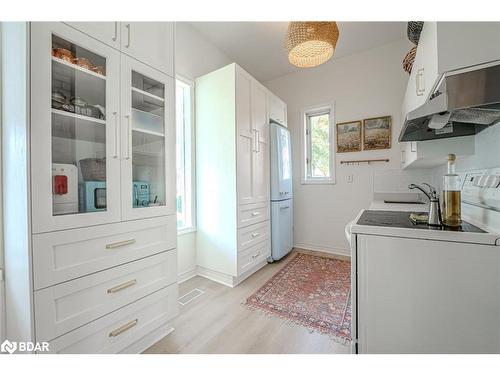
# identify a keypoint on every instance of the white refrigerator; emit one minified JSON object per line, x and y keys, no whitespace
{"x":281,"y":192}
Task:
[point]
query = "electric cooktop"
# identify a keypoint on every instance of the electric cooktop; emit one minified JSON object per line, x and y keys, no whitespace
{"x":401,"y":219}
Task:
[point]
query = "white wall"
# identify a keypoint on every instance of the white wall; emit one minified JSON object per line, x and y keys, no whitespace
{"x":194,"y":56}
{"x":486,"y":155}
{"x":368,"y":84}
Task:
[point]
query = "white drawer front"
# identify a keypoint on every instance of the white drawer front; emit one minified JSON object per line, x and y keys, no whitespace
{"x":253,"y":234}
{"x":64,"y":307}
{"x":115,"y":332}
{"x":254,"y":255}
{"x":66,"y":255}
{"x":249,"y":214}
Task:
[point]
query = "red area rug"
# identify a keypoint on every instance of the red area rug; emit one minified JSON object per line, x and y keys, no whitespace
{"x":311,"y":291}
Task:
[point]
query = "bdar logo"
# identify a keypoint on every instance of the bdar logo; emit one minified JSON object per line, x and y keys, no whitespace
{"x":8,"y":347}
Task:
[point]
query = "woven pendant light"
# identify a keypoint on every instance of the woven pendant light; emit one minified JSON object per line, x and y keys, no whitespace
{"x":311,"y":43}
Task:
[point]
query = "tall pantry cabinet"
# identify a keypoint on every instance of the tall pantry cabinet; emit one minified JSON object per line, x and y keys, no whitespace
{"x":232,"y":158}
{"x":102,"y":221}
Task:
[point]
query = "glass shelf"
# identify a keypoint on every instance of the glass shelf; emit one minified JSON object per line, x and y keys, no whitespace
{"x":75,"y":67}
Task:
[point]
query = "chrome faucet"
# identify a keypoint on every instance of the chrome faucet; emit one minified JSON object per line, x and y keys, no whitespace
{"x":434,"y":208}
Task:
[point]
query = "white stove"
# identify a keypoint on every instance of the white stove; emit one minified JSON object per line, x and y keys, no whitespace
{"x":418,"y":289}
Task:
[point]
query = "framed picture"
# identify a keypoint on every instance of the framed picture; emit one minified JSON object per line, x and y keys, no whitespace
{"x":377,"y":133}
{"x":349,"y":136}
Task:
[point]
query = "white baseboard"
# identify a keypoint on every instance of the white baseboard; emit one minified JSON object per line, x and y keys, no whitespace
{"x":216,"y":276}
{"x":186,"y":275}
{"x":323,"y":249}
{"x":228,"y":280}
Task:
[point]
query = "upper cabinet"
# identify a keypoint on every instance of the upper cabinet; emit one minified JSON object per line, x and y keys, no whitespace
{"x":149,"y":42}
{"x":102,"y":133}
{"x":277,"y":109}
{"x":75,"y":128}
{"x":106,"y":32}
{"x":137,"y":39}
{"x":147,"y":142}
{"x":252,"y":139}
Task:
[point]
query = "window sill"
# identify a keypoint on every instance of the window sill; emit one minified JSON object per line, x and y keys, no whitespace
{"x":318,"y":182}
{"x":187,"y":230}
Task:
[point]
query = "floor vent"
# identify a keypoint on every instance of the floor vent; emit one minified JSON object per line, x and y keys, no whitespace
{"x":188,"y":297}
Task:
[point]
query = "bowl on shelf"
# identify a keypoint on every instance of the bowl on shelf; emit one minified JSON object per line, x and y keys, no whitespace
{"x":63,"y":54}
{"x":83,"y":62}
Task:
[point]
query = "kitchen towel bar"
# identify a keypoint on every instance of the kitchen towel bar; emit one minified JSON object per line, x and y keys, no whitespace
{"x":368,"y":161}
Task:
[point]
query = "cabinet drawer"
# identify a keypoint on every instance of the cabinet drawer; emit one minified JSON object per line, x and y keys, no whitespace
{"x":249,"y":214}
{"x":64,"y":307}
{"x":253,"y":255}
{"x":115,"y":332}
{"x":249,"y":236}
{"x":65,"y":255}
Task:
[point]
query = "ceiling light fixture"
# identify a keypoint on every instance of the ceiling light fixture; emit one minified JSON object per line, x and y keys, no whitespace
{"x":311,"y":44}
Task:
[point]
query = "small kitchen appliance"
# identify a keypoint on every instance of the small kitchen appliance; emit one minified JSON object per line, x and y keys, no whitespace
{"x":93,"y":196}
{"x":64,"y":189}
{"x":140,"y":194}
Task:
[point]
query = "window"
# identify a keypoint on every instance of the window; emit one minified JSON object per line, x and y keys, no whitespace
{"x":184,"y":150}
{"x":318,"y":146}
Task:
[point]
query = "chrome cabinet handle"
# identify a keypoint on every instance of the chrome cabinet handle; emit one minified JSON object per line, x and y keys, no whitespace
{"x":419,"y":86}
{"x":255,"y":213}
{"x":115,"y":37}
{"x":255,"y":235}
{"x":128,"y":138}
{"x":126,"y":285}
{"x":120,"y":244}
{"x":123,"y":328}
{"x":254,"y":140}
{"x":128,"y":35}
{"x":255,"y":255}
{"x":257,"y":144}
{"x":115,"y":156}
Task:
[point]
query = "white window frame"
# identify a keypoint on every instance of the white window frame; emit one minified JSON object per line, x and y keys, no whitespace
{"x":306,"y":144}
{"x":189,"y":159}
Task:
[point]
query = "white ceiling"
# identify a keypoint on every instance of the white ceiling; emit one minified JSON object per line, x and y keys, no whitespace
{"x":259,"y":46}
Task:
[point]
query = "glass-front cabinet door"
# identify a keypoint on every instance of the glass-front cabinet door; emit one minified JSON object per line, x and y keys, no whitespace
{"x":148,"y":141}
{"x":75,"y":144}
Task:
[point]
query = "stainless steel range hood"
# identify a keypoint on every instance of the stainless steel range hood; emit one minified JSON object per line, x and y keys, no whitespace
{"x":465,"y":102}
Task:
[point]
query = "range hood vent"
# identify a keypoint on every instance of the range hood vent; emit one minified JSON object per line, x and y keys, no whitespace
{"x":465,"y":102}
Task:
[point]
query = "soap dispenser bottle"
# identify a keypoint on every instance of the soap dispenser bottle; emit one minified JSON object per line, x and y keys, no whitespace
{"x":451,"y":210}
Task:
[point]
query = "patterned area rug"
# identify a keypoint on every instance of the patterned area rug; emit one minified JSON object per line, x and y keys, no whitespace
{"x":311,"y":291}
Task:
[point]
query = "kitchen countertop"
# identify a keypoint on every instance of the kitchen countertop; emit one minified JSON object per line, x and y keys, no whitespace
{"x":421,"y":232}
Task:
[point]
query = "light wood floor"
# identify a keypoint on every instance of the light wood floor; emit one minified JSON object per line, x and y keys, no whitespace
{"x":217,"y":322}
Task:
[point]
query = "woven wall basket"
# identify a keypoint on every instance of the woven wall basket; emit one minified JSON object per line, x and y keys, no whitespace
{"x":311,"y":43}
{"x":409,"y":59}
{"x":414,"y":30}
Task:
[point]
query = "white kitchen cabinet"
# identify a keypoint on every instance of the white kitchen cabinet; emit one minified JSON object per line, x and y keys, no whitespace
{"x":428,"y":154}
{"x":65,"y":136}
{"x":147,"y":142}
{"x":233,"y":167}
{"x":151,"y":43}
{"x":100,"y":123}
{"x":106,"y":32}
{"x":277,"y":109}
{"x":447,"y":46}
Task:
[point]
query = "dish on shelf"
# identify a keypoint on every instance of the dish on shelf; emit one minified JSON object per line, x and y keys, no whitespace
{"x":83,"y":62}
{"x":63,"y":54}
{"x":99,"y":70}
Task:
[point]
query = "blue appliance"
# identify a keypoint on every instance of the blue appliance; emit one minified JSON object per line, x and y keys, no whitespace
{"x":140,"y":194}
{"x":92,"y":196}
{"x":281,"y":192}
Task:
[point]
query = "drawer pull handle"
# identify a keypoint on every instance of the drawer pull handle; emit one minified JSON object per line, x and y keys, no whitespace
{"x":126,"y":285}
{"x":255,"y":255}
{"x":255,"y":213}
{"x":123,"y":328}
{"x":255,"y":235}
{"x":120,"y":244}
